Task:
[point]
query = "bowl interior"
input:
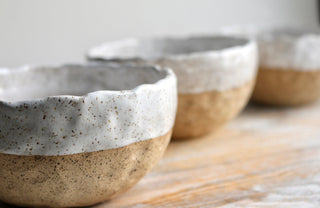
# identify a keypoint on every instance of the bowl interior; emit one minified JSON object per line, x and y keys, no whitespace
{"x":160,"y":47}
{"x":38,"y":82}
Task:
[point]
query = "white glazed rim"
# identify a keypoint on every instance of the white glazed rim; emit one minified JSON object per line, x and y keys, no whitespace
{"x":99,"y":120}
{"x":291,"y":34}
{"x":282,"y":46}
{"x":261,"y":32}
{"x":94,"y":54}
{"x":169,"y":75}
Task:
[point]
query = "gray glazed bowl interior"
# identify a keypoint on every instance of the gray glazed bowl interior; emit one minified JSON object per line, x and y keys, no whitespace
{"x":76,"y":80}
{"x":163,"y":47}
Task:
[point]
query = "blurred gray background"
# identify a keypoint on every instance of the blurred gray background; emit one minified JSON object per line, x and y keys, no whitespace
{"x":58,"y":31}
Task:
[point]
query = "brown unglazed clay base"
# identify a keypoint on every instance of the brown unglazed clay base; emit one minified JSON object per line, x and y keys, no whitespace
{"x":202,"y":113}
{"x":77,"y":180}
{"x":286,"y":87}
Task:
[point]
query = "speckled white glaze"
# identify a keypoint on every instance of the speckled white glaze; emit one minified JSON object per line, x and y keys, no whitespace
{"x":83,"y":108}
{"x":283,"y":48}
{"x":200,"y":63}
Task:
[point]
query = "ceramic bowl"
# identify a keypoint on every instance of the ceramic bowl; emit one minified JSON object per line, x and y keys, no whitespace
{"x":289,"y":64}
{"x":77,"y":135}
{"x":216,"y":75}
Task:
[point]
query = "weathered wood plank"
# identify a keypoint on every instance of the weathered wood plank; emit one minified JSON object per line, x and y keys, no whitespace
{"x":267,"y":157}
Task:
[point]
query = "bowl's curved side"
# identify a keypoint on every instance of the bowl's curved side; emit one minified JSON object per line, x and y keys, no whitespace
{"x":214,"y":71}
{"x":203,"y":113}
{"x":63,"y":125}
{"x":77,"y":180}
{"x":286,"y":87}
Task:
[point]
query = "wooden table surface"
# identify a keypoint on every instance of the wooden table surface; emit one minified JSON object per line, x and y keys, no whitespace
{"x":267,"y":157}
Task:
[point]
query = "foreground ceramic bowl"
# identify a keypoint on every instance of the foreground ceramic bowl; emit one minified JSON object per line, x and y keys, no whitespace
{"x":215,"y":75}
{"x":61,"y":147}
{"x":289,"y":64}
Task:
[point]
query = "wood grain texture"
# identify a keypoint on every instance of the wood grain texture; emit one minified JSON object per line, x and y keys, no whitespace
{"x":267,"y":157}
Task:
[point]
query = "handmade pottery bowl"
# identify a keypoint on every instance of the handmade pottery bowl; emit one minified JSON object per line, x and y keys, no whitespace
{"x":215,"y":75}
{"x":289,"y":64}
{"x":61,"y":147}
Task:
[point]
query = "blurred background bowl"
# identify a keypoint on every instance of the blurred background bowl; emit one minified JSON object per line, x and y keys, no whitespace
{"x":289,"y":64}
{"x":216,"y":75}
